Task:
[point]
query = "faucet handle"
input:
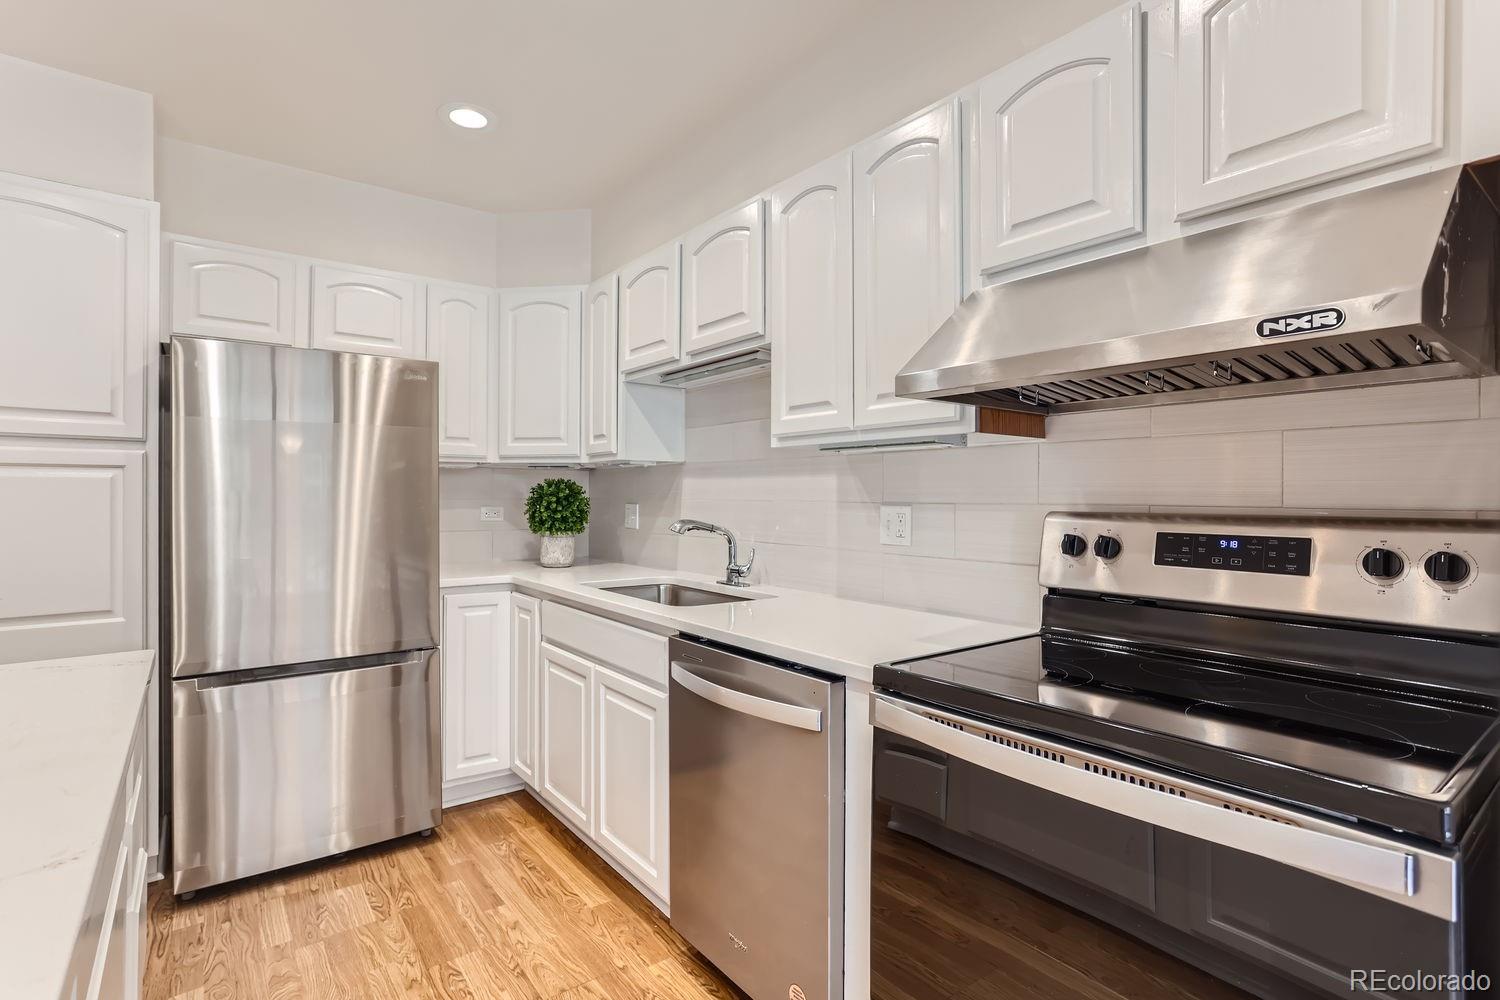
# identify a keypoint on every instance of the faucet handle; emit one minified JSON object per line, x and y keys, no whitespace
{"x":738,"y":571}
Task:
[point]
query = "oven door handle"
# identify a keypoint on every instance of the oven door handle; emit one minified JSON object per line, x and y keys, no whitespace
{"x":1417,"y":878}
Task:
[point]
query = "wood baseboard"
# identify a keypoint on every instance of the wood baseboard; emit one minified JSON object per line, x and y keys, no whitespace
{"x":486,"y":786}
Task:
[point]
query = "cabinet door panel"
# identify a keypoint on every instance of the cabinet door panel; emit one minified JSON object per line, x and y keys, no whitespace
{"x":72,"y":541}
{"x":234,"y":294}
{"x":811,"y":290}
{"x":1274,"y":95}
{"x":1060,"y":145}
{"x":723,"y":280}
{"x":630,"y":786}
{"x":906,"y":201}
{"x":458,"y":339}
{"x":525,"y":687}
{"x":650,"y":309}
{"x":601,"y":369}
{"x":539,"y":372}
{"x":567,"y":734}
{"x":75,"y":281}
{"x":365,"y":312}
{"x":476,"y":685}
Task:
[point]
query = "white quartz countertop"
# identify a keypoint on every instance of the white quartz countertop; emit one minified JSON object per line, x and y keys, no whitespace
{"x":65,"y":736}
{"x":816,"y":630}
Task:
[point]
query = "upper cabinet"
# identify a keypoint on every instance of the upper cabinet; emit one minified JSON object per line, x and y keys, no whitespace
{"x":601,"y":370}
{"x":76,"y":305}
{"x":650,"y":309}
{"x":906,"y":271}
{"x":369,"y":312}
{"x":458,"y":339}
{"x":235,"y":294}
{"x":723,"y":281}
{"x":539,"y":358}
{"x":1059,"y":162}
{"x":810,"y":286}
{"x":1275,"y":95}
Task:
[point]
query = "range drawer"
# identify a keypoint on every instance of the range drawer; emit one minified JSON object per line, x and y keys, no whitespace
{"x":629,"y":650}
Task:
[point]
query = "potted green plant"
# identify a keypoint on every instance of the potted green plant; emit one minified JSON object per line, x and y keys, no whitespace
{"x":557,"y":510}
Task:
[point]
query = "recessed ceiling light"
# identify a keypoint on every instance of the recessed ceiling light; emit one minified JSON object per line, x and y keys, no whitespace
{"x":466,"y":116}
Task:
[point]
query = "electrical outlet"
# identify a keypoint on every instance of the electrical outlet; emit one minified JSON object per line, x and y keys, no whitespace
{"x":492,"y":513}
{"x":895,"y":525}
{"x":632,"y":515}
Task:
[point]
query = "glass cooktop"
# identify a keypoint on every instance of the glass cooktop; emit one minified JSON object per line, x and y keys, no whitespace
{"x":1392,"y":757}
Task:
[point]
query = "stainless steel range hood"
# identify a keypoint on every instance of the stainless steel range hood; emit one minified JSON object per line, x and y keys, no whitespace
{"x":1396,"y":283}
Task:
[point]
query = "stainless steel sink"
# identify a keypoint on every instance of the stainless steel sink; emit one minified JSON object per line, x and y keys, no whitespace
{"x":675,"y":594}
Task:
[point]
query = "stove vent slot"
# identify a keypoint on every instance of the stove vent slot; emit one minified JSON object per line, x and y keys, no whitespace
{"x":1258,"y":815}
{"x":1134,"y":779}
{"x":1035,"y":751}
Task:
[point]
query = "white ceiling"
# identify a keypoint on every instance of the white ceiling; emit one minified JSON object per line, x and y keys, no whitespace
{"x":586,"y":93}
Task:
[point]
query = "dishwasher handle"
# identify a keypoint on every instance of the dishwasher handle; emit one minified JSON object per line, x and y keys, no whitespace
{"x":769,"y":709}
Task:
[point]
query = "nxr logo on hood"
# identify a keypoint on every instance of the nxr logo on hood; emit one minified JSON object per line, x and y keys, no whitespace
{"x":1312,"y":321}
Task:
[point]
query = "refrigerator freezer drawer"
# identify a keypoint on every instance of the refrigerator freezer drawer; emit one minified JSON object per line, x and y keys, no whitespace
{"x":270,"y":773}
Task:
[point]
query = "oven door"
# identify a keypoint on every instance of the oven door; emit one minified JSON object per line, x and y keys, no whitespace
{"x":1281,"y":903}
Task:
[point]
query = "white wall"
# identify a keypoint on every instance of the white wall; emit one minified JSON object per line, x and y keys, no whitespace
{"x":901,"y":58}
{"x":977,"y":513}
{"x":542,"y":248}
{"x":465,"y":538}
{"x":69,"y":128}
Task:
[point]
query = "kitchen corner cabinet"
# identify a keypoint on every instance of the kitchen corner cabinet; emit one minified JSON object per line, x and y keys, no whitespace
{"x":566,"y":760}
{"x":76,"y":310}
{"x":906,"y":260}
{"x":723,"y":282}
{"x":601,"y":370}
{"x":539,"y":356}
{"x":1275,"y":95}
{"x":810,"y":288}
{"x":235,"y":294}
{"x":458,"y":339}
{"x":368,"y":312}
{"x":476,"y":686}
{"x":1059,"y":163}
{"x":525,"y":675}
{"x":650,"y":314}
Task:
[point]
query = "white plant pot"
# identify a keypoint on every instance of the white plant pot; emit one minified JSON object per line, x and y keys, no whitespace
{"x":557,"y":551}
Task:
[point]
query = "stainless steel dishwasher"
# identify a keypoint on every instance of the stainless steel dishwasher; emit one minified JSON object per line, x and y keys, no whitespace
{"x":757,"y":804}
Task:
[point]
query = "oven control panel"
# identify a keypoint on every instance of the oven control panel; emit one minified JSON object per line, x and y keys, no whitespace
{"x":1287,"y":554}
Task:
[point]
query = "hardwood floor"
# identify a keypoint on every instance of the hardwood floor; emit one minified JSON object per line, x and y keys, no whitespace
{"x":501,"y":903}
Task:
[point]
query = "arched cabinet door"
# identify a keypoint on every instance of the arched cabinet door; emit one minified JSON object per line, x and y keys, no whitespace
{"x":724,"y":281}
{"x":1275,"y":95}
{"x":539,"y":370}
{"x":75,"y":310}
{"x":367,"y":312}
{"x":650,"y":309}
{"x":234,"y":293}
{"x":601,"y":373}
{"x":458,"y":339}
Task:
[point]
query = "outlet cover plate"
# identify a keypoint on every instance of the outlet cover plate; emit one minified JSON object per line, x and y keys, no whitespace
{"x":492,"y":513}
{"x":895,"y":524}
{"x":632,"y":515}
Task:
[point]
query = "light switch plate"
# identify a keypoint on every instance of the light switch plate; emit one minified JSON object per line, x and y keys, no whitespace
{"x":492,"y":513}
{"x":895,"y":524}
{"x":632,"y":515}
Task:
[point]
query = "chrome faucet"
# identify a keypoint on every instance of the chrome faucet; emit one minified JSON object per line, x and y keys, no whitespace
{"x":735,"y":572}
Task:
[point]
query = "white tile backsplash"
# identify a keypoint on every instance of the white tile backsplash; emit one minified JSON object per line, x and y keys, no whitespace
{"x":977,"y":513}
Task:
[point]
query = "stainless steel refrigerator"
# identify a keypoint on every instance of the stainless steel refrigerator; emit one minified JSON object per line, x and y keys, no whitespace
{"x":300,"y":569}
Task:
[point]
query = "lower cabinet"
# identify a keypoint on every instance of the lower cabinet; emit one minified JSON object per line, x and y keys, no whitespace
{"x":630,"y":775}
{"x":477,"y":691}
{"x":567,"y":735}
{"x":525,"y":660}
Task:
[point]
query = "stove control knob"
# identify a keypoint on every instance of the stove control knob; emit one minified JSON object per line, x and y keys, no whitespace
{"x":1383,"y":564}
{"x":1106,"y":547}
{"x":1446,"y":567}
{"x":1074,"y":545}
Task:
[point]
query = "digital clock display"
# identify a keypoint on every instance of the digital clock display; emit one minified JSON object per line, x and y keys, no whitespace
{"x":1278,"y":554}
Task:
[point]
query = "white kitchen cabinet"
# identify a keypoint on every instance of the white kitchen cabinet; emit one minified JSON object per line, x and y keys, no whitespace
{"x":650,"y":313}
{"x":811,"y":291}
{"x":631,"y":776}
{"x":1059,"y":145}
{"x":73,"y":548}
{"x":539,"y":373}
{"x":76,"y":310}
{"x":601,"y":369}
{"x":476,"y":686}
{"x":906,"y":260}
{"x":525,"y":689}
{"x":724,"y":281}
{"x":566,"y":759}
{"x":1275,"y":95}
{"x":367,"y":312}
{"x":236,"y":293}
{"x":458,"y":339}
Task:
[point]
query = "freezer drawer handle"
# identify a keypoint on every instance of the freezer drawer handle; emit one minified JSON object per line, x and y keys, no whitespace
{"x":1406,"y":874}
{"x":780,"y":712}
